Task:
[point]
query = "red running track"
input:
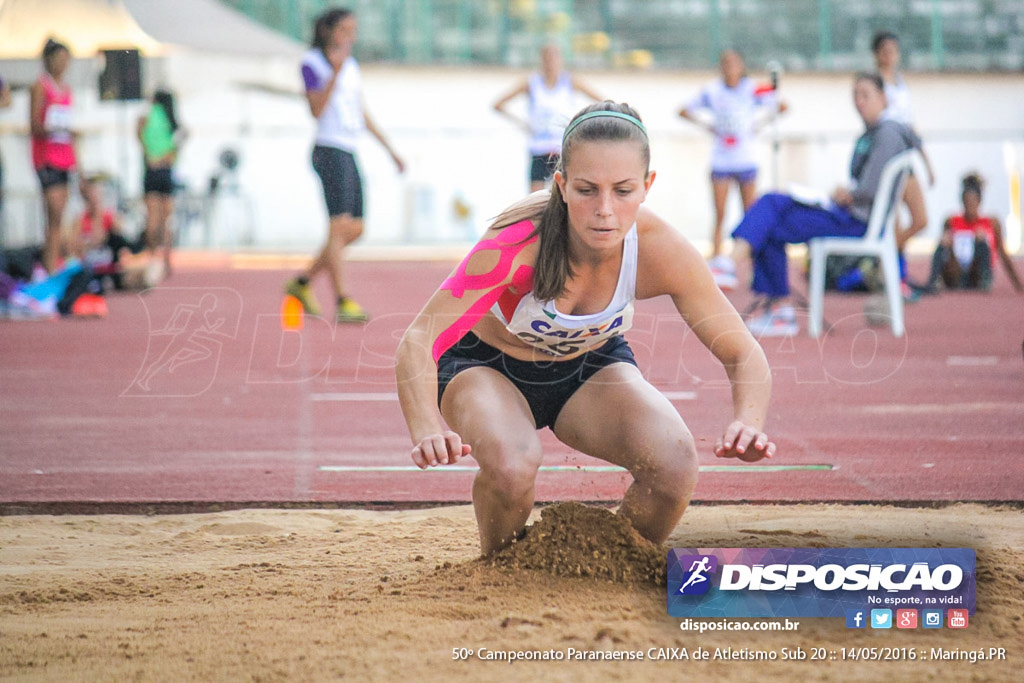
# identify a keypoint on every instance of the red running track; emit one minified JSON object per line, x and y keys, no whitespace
{"x":223,"y":408}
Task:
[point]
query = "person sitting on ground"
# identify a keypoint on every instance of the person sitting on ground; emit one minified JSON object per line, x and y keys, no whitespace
{"x":779,"y":219}
{"x":966,"y":254}
{"x":95,"y":237}
{"x":97,"y":240}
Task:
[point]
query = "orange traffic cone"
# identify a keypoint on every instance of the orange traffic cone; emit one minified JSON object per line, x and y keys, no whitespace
{"x":291,"y":313}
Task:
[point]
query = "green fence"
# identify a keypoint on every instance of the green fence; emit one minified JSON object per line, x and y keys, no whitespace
{"x":799,"y":34}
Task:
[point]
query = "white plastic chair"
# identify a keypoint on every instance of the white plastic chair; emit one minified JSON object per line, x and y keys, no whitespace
{"x":878,"y":240}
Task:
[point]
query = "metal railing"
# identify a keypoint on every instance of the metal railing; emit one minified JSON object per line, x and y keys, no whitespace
{"x":800,"y":34}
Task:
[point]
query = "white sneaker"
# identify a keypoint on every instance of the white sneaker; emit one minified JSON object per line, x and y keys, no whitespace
{"x":723,"y":270}
{"x":779,"y":321}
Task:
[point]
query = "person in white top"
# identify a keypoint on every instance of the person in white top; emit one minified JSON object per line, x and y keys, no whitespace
{"x":334,"y":90}
{"x":886,"y":49}
{"x":551,"y":100}
{"x":527,"y":333}
{"x":732,"y":109}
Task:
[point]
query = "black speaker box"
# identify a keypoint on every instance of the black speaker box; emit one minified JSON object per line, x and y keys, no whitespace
{"x":121,"y":78}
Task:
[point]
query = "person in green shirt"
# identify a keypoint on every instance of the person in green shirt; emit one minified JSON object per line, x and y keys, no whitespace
{"x":161,"y":137}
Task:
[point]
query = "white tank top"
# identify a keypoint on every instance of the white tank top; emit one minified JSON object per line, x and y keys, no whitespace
{"x":735,"y":111}
{"x":549,"y":112}
{"x":897,"y":99}
{"x":341,"y":122}
{"x":540,"y":325}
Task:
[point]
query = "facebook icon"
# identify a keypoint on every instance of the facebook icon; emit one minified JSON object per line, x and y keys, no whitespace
{"x":856,"y":618}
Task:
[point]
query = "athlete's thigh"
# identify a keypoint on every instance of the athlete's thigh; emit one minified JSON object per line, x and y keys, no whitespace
{"x":484,"y":408}
{"x":619,"y":417}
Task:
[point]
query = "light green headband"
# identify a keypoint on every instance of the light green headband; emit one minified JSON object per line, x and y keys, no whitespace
{"x":602,"y":112}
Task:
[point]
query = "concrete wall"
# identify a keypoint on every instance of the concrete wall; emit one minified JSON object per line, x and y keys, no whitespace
{"x":460,"y":153}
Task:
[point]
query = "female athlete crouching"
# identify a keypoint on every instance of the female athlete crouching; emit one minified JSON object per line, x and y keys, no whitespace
{"x":527,"y":333}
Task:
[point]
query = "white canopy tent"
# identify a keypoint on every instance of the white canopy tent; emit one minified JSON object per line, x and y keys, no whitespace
{"x":211,"y":27}
{"x":237,"y":86}
{"x":85,"y":26}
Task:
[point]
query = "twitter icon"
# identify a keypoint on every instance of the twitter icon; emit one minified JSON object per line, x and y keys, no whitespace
{"x":881,"y":618}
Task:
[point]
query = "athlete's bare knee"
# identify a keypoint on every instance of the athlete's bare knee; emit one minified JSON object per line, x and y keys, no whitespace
{"x":673,"y":474}
{"x":354,"y":231}
{"x":509,"y":470}
{"x":346,"y":229}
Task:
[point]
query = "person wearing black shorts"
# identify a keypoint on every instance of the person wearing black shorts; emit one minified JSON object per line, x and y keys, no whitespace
{"x":550,"y":94}
{"x":527,"y":333}
{"x":161,"y":136}
{"x":340,"y":179}
{"x":333,"y":86}
{"x":51,"y":123}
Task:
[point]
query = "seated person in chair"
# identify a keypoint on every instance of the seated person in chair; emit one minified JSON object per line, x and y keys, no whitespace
{"x":779,"y":219}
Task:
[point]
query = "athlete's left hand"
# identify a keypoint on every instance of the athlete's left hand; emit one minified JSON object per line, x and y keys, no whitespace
{"x":742,"y":441}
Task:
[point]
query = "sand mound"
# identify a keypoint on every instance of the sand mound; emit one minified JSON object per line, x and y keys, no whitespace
{"x":572,"y":539}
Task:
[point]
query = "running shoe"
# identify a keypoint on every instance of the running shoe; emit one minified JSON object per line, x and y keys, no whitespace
{"x":304,"y":293}
{"x":778,"y":321}
{"x":723,"y":270}
{"x":911,"y":295}
{"x":350,"y":312}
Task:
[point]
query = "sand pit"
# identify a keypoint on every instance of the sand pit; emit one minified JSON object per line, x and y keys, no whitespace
{"x":276,"y":595}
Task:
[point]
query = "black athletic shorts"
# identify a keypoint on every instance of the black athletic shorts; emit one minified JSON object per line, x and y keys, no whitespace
{"x":339,"y":175}
{"x":50,"y":176}
{"x":158,"y":180}
{"x":542,"y":167}
{"x":546,"y":386}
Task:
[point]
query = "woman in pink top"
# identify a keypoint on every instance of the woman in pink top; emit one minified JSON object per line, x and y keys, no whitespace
{"x":53,"y":152}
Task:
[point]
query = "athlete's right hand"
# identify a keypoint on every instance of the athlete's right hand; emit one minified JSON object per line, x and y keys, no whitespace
{"x":445,"y":448}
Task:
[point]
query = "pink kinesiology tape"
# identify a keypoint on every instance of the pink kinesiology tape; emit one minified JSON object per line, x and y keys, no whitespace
{"x":509,"y":242}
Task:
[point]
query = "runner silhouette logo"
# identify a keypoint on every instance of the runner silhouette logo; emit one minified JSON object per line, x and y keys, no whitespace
{"x":697,"y":579}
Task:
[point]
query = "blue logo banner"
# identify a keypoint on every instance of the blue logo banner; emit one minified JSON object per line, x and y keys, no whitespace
{"x":818,"y":582}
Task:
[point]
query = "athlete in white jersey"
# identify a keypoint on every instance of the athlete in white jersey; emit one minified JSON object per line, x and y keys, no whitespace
{"x":527,"y":333}
{"x":541,"y":325}
{"x":886,"y":49}
{"x":341,"y":122}
{"x":551,"y":102}
{"x":732,"y":109}
{"x":334,"y":89}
